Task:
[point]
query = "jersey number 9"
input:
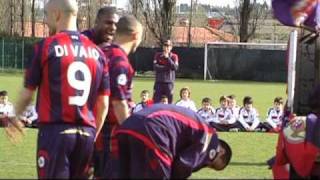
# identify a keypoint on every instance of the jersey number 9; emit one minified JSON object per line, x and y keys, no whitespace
{"x":81,"y":85}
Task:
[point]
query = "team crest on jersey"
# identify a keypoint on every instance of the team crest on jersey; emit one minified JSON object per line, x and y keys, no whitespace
{"x":41,"y":161}
{"x":295,"y":132}
{"x":122,"y":79}
{"x":212,"y":154}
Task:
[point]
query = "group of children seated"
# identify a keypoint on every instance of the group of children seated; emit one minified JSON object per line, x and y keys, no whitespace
{"x":7,"y":112}
{"x":229,"y":116}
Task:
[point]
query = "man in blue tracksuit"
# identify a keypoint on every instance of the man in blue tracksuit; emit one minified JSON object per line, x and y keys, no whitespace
{"x":165,"y":65}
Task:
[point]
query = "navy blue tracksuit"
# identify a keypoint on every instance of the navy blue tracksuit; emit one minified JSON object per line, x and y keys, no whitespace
{"x":162,"y":141}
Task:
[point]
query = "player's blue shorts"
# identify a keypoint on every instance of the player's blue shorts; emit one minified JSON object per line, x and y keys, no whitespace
{"x":64,"y":151}
{"x":134,"y":160}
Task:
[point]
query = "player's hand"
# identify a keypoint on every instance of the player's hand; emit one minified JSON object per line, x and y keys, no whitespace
{"x":15,"y":131}
{"x":166,"y":54}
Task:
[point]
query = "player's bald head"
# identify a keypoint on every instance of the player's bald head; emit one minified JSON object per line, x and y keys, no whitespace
{"x":127,"y":25}
{"x":67,"y":7}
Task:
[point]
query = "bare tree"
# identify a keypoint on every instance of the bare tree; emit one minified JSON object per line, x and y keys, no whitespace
{"x":159,"y":16}
{"x":33,"y":19}
{"x":246,"y":17}
{"x":249,"y":14}
{"x":22,"y":17}
{"x":12,"y":16}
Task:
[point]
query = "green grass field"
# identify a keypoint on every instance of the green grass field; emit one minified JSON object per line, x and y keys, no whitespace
{"x":250,"y":150}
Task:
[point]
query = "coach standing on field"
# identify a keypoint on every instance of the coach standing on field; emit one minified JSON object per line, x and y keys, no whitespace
{"x":165,"y":65}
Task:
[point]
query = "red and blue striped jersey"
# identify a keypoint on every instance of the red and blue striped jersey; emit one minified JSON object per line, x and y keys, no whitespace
{"x":121,"y":74}
{"x":90,"y":33}
{"x":179,"y":137}
{"x":69,"y":72}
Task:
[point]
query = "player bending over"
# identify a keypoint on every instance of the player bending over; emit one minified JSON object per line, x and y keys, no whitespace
{"x":166,"y":141}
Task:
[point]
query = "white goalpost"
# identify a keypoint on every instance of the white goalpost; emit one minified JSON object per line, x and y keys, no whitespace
{"x":212,"y":56}
{"x":292,"y":59}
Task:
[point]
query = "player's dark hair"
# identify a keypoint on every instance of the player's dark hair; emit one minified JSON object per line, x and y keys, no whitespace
{"x":278,"y":100}
{"x":232,"y":96}
{"x":127,"y":25}
{"x":107,"y":10}
{"x":223,"y":98}
{"x":166,"y":42}
{"x":164,"y":97}
{"x":228,"y":152}
{"x":207,"y":100}
{"x":313,"y":100}
{"x":145,"y":92}
{"x":185,"y":89}
{"x":247,"y":100}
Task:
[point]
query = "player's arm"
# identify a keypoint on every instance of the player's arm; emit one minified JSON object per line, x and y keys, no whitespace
{"x":121,"y":110}
{"x":256,"y":120}
{"x":15,"y":128}
{"x":156,"y":65}
{"x":102,"y":105}
{"x":242,"y":121}
{"x":119,"y":77}
{"x":231,"y":118}
{"x":31,"y":82}
{"x":174,"y":62}
{"x":269,"y":119}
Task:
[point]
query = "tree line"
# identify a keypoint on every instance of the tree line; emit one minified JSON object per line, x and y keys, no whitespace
{"x":158,"y":16}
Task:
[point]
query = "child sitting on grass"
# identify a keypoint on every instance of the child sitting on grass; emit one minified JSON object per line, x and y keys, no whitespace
{"x":207,"y":111}
{"x":249,"y":116}
{"x":185,"y":100}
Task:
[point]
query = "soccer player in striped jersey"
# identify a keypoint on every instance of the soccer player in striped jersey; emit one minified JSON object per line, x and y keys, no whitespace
{"x":102,"y":34}
{"x":127,"y":38}
{"x":167,"y":142}
{"x":72,"y":78}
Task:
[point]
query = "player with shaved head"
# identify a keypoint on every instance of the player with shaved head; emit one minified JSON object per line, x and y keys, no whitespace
{"x":72,"y":78}
{"x":126,"y":40}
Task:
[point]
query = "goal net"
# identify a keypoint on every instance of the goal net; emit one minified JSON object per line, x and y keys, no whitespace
{"x":245,"y":61}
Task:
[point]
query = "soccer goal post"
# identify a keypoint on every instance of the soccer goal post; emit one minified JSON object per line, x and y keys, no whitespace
{"x":244,"y":61}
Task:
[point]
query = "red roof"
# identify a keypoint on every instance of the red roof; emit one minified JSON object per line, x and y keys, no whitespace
{"x":41,"y":29}
{"x":201,"y":35}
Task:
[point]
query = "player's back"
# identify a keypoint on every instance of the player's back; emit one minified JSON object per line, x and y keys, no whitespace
{"x":73,"y":72}
{"x":170,"y":126}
